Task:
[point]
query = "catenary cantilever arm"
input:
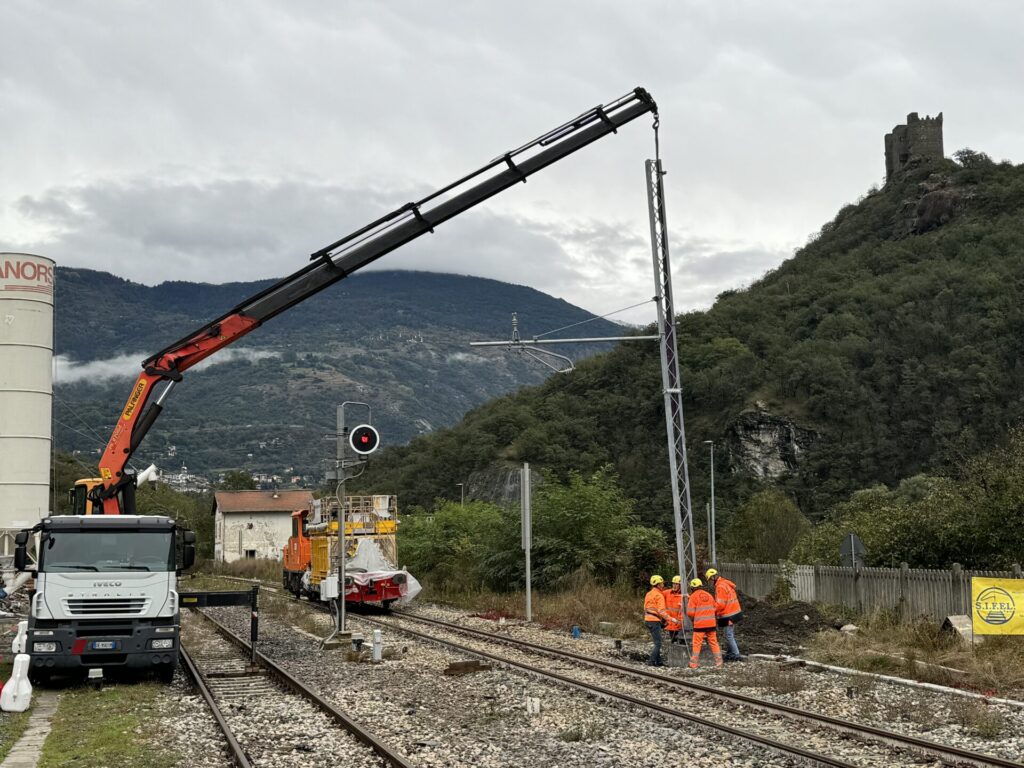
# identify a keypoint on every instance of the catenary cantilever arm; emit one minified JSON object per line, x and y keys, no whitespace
{"x":340,"y":259}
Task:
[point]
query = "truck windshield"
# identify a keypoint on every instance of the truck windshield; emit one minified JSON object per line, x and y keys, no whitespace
{"x":106,"y":551}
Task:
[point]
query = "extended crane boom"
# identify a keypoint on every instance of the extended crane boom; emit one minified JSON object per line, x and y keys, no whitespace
{"x":333,"y":263}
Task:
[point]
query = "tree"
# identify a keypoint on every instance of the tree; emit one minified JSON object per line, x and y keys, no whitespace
{"x":975,"y":519}
{"x":449,"y":547}
{"x":968,"y":158}
{"x":765,"y":528}
{"x":237,"y":480}
{"x":191,"y":511}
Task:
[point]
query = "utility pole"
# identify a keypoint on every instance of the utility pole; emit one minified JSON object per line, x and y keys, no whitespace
{"x":712,"y":524}
{"x":526,"y":522}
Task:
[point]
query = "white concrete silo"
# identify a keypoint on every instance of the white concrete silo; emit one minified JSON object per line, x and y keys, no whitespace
{"x":26,"y":391}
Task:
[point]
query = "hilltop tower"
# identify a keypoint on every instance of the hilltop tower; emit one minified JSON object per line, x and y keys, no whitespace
{"x":920,"y":137}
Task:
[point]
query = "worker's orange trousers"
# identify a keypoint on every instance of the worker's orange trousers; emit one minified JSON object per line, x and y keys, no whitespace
{"x":699,"y":638}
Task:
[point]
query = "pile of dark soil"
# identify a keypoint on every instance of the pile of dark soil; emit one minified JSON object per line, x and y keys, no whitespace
{"x":778,"y":628}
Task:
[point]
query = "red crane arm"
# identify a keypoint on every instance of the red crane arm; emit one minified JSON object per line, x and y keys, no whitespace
{"x":169,"y":365}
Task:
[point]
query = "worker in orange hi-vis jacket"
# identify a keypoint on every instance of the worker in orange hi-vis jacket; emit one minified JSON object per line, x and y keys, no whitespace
{"x":655,"y":616}
{"x":729,"y":611}
{"x":674,"y":607}
{"x":701,"y":608}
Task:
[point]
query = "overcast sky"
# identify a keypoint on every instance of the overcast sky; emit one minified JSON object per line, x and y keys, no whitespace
{"x":217,"y":141}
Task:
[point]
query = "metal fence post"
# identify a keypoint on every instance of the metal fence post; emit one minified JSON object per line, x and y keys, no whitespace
{"x":254,"y":622}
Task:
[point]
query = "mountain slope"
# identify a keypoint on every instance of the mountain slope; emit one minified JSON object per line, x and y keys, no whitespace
{"x":397,"y":340}
{"x":890,"y":344}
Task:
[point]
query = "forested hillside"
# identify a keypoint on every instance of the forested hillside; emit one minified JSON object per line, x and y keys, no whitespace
{"x":891,"y":344}
{"x":397,"y":340}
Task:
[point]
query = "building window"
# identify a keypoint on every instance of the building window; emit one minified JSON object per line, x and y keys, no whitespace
{"x":250,"y":554}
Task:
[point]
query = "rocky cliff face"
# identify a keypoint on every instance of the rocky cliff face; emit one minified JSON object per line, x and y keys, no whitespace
{"x":765,"y":445}
{"x":936,"y":203}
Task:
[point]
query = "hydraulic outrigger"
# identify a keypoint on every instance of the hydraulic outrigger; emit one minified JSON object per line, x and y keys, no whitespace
{"x":115,"y":490}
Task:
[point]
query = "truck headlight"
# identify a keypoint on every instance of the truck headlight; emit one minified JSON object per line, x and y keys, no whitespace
{"x":162,"y":644}
{"x":44,"y":647}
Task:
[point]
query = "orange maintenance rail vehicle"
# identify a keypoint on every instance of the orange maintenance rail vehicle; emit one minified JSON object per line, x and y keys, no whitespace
{"x":311,"y":555}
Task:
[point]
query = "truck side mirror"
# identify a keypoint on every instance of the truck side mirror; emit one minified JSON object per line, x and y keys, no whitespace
{"x":188,"y":556}
{"x":188,"y":537}
{"x":20,"y":553}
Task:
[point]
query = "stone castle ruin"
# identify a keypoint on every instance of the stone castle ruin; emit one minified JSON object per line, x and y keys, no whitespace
{"x":919,"y":138}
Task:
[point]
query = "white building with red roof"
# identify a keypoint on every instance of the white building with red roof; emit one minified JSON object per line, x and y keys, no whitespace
{"x":254,"y":524}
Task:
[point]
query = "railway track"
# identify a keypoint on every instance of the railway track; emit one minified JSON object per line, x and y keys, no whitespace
{"x":947,"y":754}
{"x":268,"y":715}
{"x":912,"y":747}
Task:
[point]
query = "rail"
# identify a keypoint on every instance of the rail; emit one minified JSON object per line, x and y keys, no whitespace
{"x":237,"y":754}
{"x":946,"y":753}
{"x":360,"y":732}
{"x":941,"y":751}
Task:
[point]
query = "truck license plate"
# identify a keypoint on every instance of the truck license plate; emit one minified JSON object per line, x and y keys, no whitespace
{"x":104,"y":645}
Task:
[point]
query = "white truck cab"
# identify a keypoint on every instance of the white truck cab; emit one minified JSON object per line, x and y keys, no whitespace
{"x":105,"y":593}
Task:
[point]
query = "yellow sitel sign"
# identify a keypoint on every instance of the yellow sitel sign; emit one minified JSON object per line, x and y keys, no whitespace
{"x":997,"y":606}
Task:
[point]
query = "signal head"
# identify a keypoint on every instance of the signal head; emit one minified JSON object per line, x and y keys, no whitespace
{"x":364,"y":439}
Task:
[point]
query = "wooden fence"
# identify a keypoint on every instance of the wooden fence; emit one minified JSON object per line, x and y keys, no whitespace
{"x":912,"y":592}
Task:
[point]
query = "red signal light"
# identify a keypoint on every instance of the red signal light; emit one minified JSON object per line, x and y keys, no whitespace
{"x":364,"y":439}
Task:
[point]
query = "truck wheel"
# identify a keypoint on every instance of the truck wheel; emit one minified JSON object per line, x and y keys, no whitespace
{"x":39,"y":676}
{"x":165,"y":674}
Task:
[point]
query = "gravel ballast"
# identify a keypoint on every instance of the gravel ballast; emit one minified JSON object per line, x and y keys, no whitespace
{"x":481,"y":719}
{"x":944,"y":718}
{"x":278,"y":728}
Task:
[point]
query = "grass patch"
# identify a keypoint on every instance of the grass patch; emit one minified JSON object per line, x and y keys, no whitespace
{"x":978,"y":719}
{"x":583,"y":604}
{"x":921,"y":651}
{"x":12,"y":725}
{"x":262,"y":569}
{"x":274,"y":605}
{"x":115,"y":727}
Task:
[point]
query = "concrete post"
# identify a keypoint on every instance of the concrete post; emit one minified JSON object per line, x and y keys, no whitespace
{"x":958,"y":588}
{"x":858,"y":588}
{"x":904,"y":589}
{"x":1016,"y":571}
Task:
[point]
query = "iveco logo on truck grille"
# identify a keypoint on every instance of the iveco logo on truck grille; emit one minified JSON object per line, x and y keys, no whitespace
{"x":106,"y":583}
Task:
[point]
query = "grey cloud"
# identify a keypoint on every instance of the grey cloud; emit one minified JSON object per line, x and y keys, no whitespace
{"x":242,"y":229}
{"x":155,"y":140}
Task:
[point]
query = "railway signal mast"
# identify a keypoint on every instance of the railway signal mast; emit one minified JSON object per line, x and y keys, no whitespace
{"x":362,"y":441}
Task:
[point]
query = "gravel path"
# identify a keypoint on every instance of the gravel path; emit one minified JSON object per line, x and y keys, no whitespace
{"x":277,"y":729}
